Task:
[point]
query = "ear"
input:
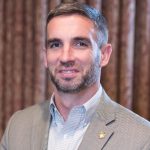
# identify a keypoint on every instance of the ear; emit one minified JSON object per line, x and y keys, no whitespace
{"x":105,"y":54}
{"x":44,"y":57}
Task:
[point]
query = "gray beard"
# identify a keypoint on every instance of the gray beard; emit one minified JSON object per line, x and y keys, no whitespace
{"x":91,"y":77}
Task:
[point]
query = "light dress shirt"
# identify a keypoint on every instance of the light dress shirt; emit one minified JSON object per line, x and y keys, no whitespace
{"x":67,"y":135}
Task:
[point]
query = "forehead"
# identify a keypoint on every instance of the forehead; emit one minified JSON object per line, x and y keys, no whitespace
{"x":70,"y":25}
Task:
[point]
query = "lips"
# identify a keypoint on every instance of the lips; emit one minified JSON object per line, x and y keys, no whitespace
{"x":68,"y":73}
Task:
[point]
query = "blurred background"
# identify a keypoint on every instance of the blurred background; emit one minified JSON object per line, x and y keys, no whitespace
{"x":23,"y":77}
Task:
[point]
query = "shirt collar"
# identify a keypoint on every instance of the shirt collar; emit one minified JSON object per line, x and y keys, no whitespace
{"x":92,"y":104}
{"x":89,"y":107}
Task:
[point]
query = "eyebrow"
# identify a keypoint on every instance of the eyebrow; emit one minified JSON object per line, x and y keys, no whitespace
{"x":87,"y":40}
{"x":53,"y":40}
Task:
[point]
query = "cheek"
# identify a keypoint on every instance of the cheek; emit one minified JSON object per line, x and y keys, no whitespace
{"x":51,"y":60}
{"x":51,"y":66}
{"x":88,"y":58}
{"x":92,"y":59}
{"x":84,"y":55}
{"x":86,"y":61}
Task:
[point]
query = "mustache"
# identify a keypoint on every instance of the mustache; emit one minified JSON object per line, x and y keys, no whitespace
{"x":67,"y":63}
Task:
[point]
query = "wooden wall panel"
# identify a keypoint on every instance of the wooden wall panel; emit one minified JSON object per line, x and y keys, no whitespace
{"x":8,"y":60}
{"x":148,"y":111}
{"x":28,"y":54}
{"x":1,"y":65}
{"x":141,"y":95}
{"x":18,"y":49}
{"x":82,"y":1}
{"x":125,"y":52}
{"x":39,"y":41}
{"x":53,"y":3}
{"x":95,"y":3}
{"x":110,"y":72}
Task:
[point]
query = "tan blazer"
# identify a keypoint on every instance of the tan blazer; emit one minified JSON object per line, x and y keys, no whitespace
{"x":113,"y":128}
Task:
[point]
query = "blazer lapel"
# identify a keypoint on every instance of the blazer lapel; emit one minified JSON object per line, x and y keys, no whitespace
{"x":102,"y":126}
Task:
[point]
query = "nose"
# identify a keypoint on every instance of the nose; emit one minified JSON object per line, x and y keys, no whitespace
{"x":67,"y":55}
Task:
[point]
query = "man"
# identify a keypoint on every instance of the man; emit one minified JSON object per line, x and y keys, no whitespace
{"x":79,"y":116}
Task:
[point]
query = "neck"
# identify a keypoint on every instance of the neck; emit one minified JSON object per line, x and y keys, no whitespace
{"x":66,"y":101}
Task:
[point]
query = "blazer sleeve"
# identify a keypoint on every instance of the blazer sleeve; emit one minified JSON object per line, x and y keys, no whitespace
{"x":4,"y":143}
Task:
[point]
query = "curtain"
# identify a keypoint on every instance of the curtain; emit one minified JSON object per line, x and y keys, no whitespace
{"x":23,"y":77}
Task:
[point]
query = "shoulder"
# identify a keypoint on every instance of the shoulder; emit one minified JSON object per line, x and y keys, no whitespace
{"x":23,"y":124}
{"x":127,"y":125}
{"x":124,"y":115}
{"x":28,"y":115}
{"x":126,"y":121}
{"x":37,"y":108}
{"x":132,"y":127}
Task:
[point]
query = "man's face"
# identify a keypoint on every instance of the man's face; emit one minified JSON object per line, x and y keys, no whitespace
{"x":73,"y":56}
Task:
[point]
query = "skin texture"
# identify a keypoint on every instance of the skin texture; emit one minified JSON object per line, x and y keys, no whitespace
{"x":74,"y":60}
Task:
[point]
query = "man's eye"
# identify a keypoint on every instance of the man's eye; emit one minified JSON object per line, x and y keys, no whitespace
{"x":54,"y":45}
{"x":81,"y":44}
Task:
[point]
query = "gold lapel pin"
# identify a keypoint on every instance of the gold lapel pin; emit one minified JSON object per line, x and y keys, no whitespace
{"x":102,"y":134}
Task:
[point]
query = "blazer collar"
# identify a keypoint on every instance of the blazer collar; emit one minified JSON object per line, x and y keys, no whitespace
{"x":102,"y":126}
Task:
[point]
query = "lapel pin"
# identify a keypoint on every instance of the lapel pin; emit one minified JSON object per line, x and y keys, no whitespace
{"x":102,"y":134}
